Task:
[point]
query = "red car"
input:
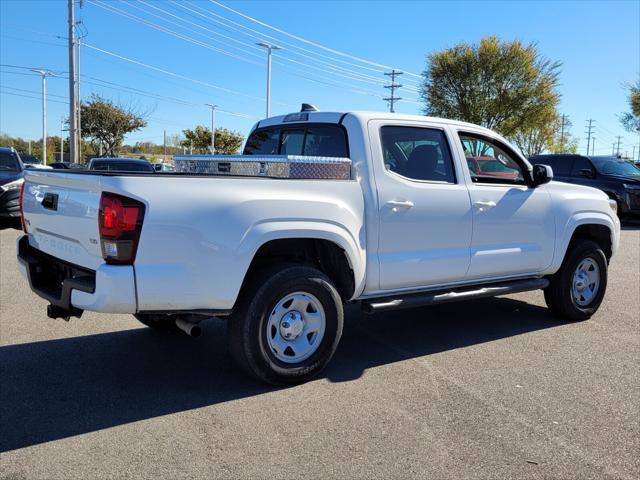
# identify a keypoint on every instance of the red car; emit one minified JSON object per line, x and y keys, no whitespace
{"x":490,"y":167}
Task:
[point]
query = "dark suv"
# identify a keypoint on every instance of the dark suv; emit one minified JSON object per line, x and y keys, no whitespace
{"x":11,"y":179}
{"x":615,"y":177}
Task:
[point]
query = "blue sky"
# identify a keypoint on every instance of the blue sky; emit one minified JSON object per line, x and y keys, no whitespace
{"x":597,"y":42}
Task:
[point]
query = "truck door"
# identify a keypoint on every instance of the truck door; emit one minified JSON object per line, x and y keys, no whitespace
{"x":424,"y":210}
{"x":513,"y":221}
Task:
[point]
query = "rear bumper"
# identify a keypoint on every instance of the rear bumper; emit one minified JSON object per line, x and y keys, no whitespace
{"x":109,"y":289}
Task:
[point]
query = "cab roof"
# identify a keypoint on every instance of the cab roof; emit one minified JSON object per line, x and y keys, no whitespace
{"x":362,"y":115}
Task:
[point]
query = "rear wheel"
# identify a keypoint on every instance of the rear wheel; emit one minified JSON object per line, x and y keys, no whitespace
{"x":287,"y":326}
{"x":577,"y":289}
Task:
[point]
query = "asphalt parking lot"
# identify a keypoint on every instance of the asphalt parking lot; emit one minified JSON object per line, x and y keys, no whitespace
{"x":493,"y":388}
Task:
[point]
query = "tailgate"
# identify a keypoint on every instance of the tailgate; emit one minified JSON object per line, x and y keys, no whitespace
{"x":61,"y":214}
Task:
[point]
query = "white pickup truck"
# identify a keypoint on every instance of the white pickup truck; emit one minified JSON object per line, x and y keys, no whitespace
{"x":390,"y":211}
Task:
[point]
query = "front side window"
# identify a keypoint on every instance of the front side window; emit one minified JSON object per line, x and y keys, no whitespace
{"x":417,"y":153}
{"x":579,"y":165}
{"x":489,"y":162}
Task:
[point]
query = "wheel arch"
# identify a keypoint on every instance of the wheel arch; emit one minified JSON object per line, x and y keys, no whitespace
{"x":329,"y":247}
{"x":594,"y":226}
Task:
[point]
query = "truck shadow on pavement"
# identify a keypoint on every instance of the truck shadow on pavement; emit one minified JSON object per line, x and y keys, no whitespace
{"x":60,"y":388}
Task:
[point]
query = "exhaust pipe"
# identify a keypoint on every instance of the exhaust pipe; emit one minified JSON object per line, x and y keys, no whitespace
{"x":191,"y":329}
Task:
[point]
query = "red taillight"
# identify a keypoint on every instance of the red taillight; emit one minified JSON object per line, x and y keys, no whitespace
{"x":20,"y":201}
{"x":119,"y":223}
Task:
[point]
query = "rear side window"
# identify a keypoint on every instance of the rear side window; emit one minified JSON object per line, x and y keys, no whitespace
{"x":417,"y":153}
{"x":313,"y":140}
{"x":580,"y":164}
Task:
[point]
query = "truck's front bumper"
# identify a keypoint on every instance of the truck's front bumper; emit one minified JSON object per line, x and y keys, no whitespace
{"x":109,"y":289}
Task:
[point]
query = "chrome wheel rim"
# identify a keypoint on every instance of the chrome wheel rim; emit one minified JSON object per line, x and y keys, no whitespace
{"x":586,"y":282}
{"x":296,"y":327}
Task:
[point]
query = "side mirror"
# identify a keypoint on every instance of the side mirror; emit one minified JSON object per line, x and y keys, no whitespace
{"x":542,"y":174}
{"x":587,"y":172}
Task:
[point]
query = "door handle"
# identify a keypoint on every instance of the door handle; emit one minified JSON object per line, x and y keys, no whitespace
{"x":396,"y":205}
{"x":484,"y":204}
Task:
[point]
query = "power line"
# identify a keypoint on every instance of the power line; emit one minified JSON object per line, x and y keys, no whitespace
{"x":258,"y":35}
{"x":127,"y":89}
{"x":30,"y":96}
{"x":167,"y":31}
{"x":173,"y":74}
{"x":308,"y":42}
{"x":349,"y":74}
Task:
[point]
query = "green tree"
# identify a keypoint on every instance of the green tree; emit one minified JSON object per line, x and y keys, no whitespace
{"x":631,"y":120}
{"x":227,"y":142}
{"x":548,"y":135}
{"x":505,"y":86}
{"x":106,"y":124}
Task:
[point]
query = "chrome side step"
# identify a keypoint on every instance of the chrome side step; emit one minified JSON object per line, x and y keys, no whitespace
{"x":445,"y":296}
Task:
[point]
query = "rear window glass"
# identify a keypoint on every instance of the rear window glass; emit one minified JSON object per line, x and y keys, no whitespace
{"x":313,"y":140}
{"x":121,"y":167}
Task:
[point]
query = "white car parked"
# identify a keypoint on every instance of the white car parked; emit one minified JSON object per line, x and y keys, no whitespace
{"x":322,"y":209}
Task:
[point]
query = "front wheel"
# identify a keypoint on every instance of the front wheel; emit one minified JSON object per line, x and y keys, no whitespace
{"x":287,"y":326}
{"x":577,"y":289}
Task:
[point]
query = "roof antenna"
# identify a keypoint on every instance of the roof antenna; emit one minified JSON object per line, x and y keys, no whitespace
{"x":307,"y":107}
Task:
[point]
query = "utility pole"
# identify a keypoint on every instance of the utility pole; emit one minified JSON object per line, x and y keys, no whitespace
{"x":79,"y":131}
{"x":73,"y":102}
{"x":392,"y":89}
{"x":269,"y":48}
{"x":190,"y":147}
{"x":29,"y":147}
{"x":61,"y":140}
{"x":593,"y":146}
{"x":563,"y":123}
{"x":613,"y":148}
{"x":588,"y":132}
{"x":618,"y":149}
{"x":213,"y":125}
{"x":82,"y":32}
{"x":44,"y":74}
{"x":633,"y":155}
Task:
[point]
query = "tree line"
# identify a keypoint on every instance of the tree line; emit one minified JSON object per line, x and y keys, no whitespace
{"x":105,"y":126}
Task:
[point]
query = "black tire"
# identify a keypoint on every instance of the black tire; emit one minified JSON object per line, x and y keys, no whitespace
{"x":158,"y":321}
{"x":248,"y":340}
{"x":558,"y":295}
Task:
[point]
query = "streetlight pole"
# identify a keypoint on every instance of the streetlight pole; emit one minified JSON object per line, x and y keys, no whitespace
{"x":61,"y":140}
{"x":44,"y":74}
{"x":269,"y":48}
{"x":213,"y":127}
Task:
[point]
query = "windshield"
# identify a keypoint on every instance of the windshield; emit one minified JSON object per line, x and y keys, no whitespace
{"x":9,"y":162}
{"x":616,"y":167}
